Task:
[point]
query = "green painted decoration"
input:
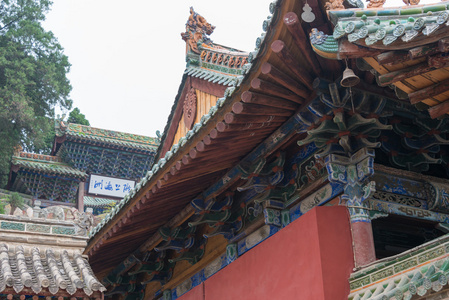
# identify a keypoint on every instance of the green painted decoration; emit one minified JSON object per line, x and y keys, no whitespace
{"x":63,"y":230}
{"x":12,"y":226}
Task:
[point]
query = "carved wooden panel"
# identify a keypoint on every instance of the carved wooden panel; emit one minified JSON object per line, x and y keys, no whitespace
{"x":204,"y":102}
{"x":189,"y":108}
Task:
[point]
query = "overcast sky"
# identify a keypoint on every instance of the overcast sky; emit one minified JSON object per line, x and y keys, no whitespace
{"x":128,"y":56}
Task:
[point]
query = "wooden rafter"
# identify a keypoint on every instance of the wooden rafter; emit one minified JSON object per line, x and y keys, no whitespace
{"x":293,"y":24}
{"x":428,"y":92}
{"x":288,"y":59}
{"x":283,"y":79}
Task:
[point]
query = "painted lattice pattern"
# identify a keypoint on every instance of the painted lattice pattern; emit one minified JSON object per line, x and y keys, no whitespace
{"x":49,"y":187}
{"x":109,"y":162}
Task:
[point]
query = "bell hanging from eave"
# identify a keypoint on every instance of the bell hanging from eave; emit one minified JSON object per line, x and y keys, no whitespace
{"x":349,"y":78}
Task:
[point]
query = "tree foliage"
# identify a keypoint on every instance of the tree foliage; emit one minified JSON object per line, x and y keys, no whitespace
{"x":77,"y":117}
{"x":16,"y":201}
{"x":2,"y":208}
{"x":33,"y":79}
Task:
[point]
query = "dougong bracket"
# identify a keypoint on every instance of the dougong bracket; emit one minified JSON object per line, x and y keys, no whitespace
{"x":353,"y":173}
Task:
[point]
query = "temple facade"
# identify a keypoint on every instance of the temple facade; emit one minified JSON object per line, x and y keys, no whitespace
{"x":315,"y":167}
{"x":88,"y":167}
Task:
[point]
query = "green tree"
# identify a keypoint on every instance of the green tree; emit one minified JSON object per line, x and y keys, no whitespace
{"x":16,"y":201}
{"x":3,"y":202}
{"x":33,"y":79}
{"x":77,"y":117}
{"x":2,"y":208}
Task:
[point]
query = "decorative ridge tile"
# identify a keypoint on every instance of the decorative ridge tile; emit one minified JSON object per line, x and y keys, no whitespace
{"x":389,"y":25}
{"x":213,"y":73}
{"x":37,"y":157}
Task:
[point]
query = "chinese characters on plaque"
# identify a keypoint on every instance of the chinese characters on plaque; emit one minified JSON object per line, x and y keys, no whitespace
{"x":109,"y":186}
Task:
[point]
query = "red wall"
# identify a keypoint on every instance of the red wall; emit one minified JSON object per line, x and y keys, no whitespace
{"x":309,"y":259}
{"x":194,"y":294}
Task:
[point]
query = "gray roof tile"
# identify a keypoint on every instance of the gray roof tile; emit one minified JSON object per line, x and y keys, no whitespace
{"x":52,"y":270}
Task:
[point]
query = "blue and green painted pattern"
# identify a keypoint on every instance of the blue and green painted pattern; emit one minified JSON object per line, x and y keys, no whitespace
{"x":63,"y":230}
{"x":38,"y":228}
{"x":12,"y":226}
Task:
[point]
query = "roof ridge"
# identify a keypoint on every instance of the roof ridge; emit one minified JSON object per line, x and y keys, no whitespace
{"x":37,"y":157}
{"x":122,"y":139}
{"x":109,"y":130}
{"x":56,"y":166}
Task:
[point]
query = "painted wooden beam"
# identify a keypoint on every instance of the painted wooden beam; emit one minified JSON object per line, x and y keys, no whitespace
{"x":395,"y":76}
{"x":347,"y":50}
{"x":430,"y":91}
{"x":392,"y":57}
{"x":439,"y":109}
{"x":422,"y":51}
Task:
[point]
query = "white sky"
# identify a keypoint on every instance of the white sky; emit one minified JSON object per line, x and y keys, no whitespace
{"x":128,"y":56}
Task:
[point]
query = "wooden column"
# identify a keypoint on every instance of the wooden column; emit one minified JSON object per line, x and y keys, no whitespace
{"x":80,"y":204}
{"x":363,"y":243}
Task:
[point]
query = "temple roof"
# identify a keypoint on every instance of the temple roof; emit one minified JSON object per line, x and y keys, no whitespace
{"x":207,"y":60}
{"x":220,"y":66}
{"x":403,"y":47}
{"x":103,"y":136}
{"x":46,"y":164}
